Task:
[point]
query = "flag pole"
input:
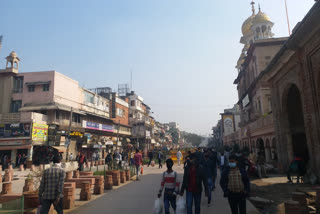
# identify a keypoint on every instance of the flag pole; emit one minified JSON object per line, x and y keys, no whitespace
{"x":285,"y":2}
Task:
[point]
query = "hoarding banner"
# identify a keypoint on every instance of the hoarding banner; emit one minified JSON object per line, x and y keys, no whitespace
{"x":107,"y":128}
{"x":91,"y":125}
{"x":39,"y":132}
{"x":97,"y":126}
{"x":15,"y":130}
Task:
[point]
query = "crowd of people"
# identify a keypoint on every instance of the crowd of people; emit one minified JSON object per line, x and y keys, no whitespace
{"x":200,"y":174}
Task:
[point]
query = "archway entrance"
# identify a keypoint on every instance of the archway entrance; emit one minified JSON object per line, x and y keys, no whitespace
{"x":260,"y":147}
{"x":296,"y":123}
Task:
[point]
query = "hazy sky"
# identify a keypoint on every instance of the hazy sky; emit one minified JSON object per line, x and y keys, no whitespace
{"x":182,"y":52}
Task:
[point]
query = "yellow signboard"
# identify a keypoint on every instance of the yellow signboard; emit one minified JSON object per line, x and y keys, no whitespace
{"x":39,"y":132}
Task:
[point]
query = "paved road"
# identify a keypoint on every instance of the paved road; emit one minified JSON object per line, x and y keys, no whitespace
{"x":138,"y":197}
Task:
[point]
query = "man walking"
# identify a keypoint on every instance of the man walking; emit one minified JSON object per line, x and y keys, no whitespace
{"x":170,"y":184}
{"x":160,"y":159}
{"x":137,"y":161}
{"x":261,"y":165}
{"x":210,"y":173}
{"x":223,"y":161}
{"x":179,"y":155}
{"x":51,"y":187}
{"x":150,"y":155}
{"x":236,"y":186}
{"x":81,"y":158}
{"x":70,"y":157}
{"x":193,"y":178}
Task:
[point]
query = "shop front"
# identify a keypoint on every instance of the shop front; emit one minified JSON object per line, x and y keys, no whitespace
{"x":15,"y":140}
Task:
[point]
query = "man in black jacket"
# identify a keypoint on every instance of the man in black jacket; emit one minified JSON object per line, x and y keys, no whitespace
{"x":193,"y":178}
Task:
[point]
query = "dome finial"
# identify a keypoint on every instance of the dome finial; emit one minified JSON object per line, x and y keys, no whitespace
{"x":259,"y":8}
{"x":253,"y":9}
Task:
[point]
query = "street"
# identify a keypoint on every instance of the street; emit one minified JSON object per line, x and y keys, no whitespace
{"x":139,"y":196}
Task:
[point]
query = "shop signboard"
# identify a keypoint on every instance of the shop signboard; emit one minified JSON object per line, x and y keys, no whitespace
{"x":106,"y":128}
{"x":39,"y":132}
{"x":97,"y":126}
{"x":15,"y":130}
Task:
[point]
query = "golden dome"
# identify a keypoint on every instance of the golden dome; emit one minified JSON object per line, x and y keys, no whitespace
{"x":13,"y":54}
{"x":247,"y":24}
{"x":261,"y":18}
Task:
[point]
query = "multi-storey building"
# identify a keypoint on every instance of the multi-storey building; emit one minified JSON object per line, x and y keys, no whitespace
{"x":256,"y":126}
{"x":50,"y":109}
{"x":294,"y":76}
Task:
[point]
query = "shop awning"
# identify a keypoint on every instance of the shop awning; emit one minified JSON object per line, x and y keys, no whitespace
{"x":38,"y":83}
{"x":84,"y":146}
{"x":128,"y":140}
{"x":153,"y":141}
{"x":14,"y":147}
{"x":60,"y":148}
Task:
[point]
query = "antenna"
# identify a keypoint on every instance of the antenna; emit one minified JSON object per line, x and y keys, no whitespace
{"x":1,"y":40}
{"x":131,"y":80}
{"x":285,"y":3}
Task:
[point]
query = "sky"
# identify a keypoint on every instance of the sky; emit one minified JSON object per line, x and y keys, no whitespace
{"x":182,"y":53}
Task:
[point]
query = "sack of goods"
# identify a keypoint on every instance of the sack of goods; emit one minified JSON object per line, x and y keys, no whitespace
{"x":181,"y":206}
{"x":158,"y":208}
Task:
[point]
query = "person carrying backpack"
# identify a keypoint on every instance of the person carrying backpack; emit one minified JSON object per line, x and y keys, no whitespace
{"x":170,"y":184}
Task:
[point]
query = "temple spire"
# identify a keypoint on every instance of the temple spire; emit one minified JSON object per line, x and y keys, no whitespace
{"x":253,"y":9}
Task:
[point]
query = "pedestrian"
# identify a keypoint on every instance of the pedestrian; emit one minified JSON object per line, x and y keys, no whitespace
{"x":94,"y":155}
{"x":261,"y":165}
{"x":223,"y":161}
{"x":187,"y":159}
{"x":120,"y":160}
{"x":51,"y":187}
{"x":210,"y":173}
{"x":81,"y":161}
{"x":170,"y":184}
{"x":179,"y":155}
{"x":109,"y":161}
{"x":193,"y":178}
{"x":253,"y":158}
{"x":214,"y":157}
{"x":160,"y":159}
{"x":236,"y":186}
{"x":297,"y":166}
{"x":137,"y":161}
{"x":18,"y":160}
{"x":70,"y":157}
{"x":150,"y":155}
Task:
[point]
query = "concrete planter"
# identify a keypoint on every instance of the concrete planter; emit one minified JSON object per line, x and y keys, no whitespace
{"x":31,"y":200}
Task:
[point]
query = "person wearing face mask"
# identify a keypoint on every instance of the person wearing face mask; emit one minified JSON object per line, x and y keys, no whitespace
{"x":235,"y":185}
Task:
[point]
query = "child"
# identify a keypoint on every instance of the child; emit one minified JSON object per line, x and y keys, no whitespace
{"x":235,"y":185}
{"x":170,"y":184}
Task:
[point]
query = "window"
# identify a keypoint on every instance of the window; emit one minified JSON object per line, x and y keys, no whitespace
{"x":46,"y":87}
{"x":120,"y":112}
{"x":133,"y":103}
{"x":31,"y":88}
{"x":57,"y":115}
{"x":76,"y":118}
{"x":88,"y":97}
{"x":16,"y":105}
{"x":18,"y":85}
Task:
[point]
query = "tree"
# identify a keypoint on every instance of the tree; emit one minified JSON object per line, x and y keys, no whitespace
{"x":175,"y":135}
{"x":194,"y":139}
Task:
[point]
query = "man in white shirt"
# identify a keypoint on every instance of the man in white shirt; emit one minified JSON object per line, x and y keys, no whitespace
{"x":70,"y":157}
{"x":179,"y":155}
